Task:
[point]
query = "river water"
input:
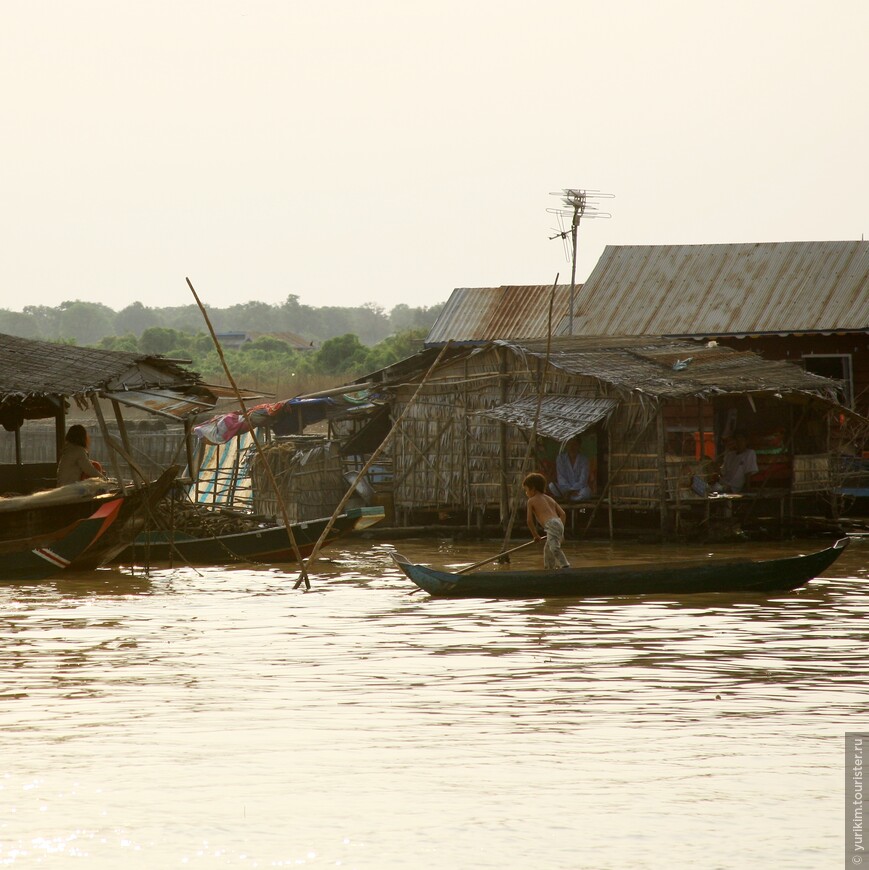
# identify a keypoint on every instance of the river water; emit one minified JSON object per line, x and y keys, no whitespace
{"x":217,"y":718}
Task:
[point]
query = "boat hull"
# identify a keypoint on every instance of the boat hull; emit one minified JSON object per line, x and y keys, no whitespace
{"x":28,"y":523}
{"x":689,"y":578}
{"x":267,"y":545}
{"x":48,"y":556}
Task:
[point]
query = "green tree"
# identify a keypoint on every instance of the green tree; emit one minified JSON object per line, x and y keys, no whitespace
{"x":267,"y":344}
{"x":86,"y":322}
{"x":46,"y":320}
{"x":127,"y":342}
{"x":19,"y":323}
{"x":160,"y":340}
{"x":342,"y":355}
{"x":136,"y":318}
{"x":396,"y":347}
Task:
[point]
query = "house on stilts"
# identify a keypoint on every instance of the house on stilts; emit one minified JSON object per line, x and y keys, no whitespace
{"x":649,"y":409}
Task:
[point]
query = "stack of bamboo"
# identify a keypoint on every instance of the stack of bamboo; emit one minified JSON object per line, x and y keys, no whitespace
{"x":200,"y":521}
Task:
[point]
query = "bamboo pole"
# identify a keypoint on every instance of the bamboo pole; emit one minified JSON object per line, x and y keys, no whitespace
{"x":371,"y":459}
{"x":259,"y":450}
{"x":541,"y":383}
{"x":499,"y":556}
{"x":112,"y":448}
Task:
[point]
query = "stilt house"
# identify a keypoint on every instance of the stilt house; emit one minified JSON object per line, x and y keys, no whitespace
{"x":650,"y":410}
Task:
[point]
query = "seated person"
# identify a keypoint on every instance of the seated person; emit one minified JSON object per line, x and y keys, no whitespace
{"x":737,"y":466}
{"x":571,"y":474}
{"x":75,"y":464}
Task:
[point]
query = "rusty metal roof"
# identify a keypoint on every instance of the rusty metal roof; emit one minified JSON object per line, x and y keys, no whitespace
{"x":480,"y":314}
{"x":738,"y":289}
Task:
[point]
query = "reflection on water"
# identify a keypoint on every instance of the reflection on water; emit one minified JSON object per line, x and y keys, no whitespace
{"x":216,"y":717}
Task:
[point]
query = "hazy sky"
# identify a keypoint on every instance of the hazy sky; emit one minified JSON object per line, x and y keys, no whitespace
{"x":390,"y":150}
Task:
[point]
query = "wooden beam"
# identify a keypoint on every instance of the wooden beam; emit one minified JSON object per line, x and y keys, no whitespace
{"x":113,"y":457}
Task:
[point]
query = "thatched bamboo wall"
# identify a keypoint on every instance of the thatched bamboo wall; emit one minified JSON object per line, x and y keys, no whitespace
{"x":308,"y":471}
{"x":446,"y":454}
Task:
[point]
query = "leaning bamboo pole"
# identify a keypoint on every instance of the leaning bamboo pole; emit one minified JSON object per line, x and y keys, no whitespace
{"x":259,"y":450}
{"x":371,"y":459}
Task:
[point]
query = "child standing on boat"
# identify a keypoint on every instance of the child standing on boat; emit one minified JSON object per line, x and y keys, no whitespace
{"x":550,"y":515}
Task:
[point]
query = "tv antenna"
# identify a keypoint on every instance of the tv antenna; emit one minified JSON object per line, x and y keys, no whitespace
{"x":576,"y":205}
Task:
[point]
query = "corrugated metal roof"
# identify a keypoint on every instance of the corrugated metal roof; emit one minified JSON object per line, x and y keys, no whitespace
{"x":739,"y":289}
{"x":561,"y":417}
{"x":479,"y":314}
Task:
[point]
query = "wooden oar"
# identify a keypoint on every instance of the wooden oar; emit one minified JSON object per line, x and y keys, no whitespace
{"x":492,"y":558}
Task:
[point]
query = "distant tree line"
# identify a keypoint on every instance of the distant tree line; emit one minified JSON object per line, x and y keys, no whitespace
{"x":87,"y":323}
{"x":270,"y":361}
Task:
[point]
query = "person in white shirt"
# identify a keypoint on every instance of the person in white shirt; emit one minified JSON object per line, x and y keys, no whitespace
{"x":571,"y":474}
{"x":737,"y":466}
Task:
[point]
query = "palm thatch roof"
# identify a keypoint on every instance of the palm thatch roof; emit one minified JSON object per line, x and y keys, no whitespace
{"x":37,"y":376}
{"x":671,"y":368}
{"x":654,"y":366}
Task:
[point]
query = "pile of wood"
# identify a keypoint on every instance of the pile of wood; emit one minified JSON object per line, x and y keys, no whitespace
{"x":203,"y":522}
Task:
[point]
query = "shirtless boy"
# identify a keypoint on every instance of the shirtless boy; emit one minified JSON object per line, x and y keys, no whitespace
{"x":550,"y":515}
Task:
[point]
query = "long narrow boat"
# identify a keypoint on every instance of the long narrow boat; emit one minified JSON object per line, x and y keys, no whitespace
{"x":267,"y":544}
{"x":48,"y":555}
{"x":136,"y":513}
{"x":27,"y":520}
{"x":654,"y":578}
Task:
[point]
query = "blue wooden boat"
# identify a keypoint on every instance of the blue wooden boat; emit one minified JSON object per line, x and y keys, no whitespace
{"x":45,"y":556}
{"x":695,"y":576}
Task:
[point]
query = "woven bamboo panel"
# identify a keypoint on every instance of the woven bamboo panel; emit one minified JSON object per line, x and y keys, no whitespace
{"x":309,"y":476}
{"x":812,"y":473}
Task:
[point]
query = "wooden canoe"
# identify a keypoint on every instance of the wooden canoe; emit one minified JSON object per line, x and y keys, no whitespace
{"x":267,"y":545}
{"x":655,"y":578}
{"x":33,"y":559}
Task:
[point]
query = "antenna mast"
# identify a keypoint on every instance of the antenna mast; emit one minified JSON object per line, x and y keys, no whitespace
{"x":577,"y":204}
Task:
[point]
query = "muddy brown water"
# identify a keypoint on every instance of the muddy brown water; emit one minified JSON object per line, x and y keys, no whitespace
{"x":217,"y":718}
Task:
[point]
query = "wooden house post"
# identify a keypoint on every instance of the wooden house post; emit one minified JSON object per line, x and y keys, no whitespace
{"x":791,"y":458}
{"x":609,"y":472}
{"x":466,"y":458}
{"x":834,"y":498}
{"x":662,"y":469}
{"x":192,"y":456}
{"x":122,"y":427}
{"x":112,"y":451}
{"x":59,"y":430}
{"x":502,"y":440}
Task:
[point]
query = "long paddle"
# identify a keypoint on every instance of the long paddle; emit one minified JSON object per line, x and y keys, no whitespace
{"x":492,"y":558}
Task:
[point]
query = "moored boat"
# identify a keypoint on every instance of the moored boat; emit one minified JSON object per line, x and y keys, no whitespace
{"x":45,"y":556}
{"x":680,"y":578}
{"x":266,"y":544}
{"x":50,"y":514}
